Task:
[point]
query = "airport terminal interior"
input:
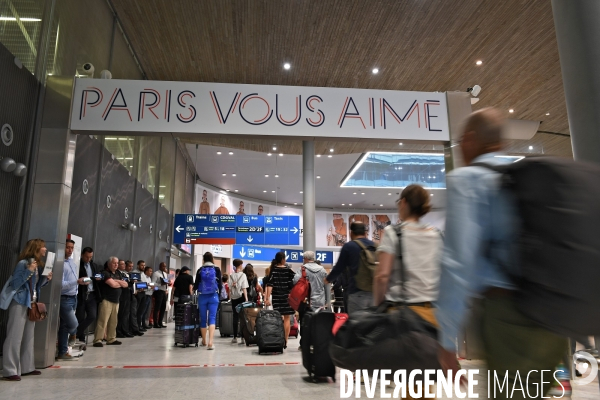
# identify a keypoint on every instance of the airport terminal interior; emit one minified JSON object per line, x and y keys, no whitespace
{"x":157,"y":131}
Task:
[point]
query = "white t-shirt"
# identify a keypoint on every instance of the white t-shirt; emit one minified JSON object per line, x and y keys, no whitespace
{"x":237,"y":283}
{"x":421,"y":252}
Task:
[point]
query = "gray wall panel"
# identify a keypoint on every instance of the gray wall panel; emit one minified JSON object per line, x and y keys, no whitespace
{"x":112,"y":239}
{"x":163,"y":224}
{"x":189,"y":192}
{"x":143,"y":238}
{"x":81,"y":214}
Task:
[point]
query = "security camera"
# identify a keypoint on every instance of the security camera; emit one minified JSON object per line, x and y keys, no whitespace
{"x":475,"y":90}
{"x":88,"y":69}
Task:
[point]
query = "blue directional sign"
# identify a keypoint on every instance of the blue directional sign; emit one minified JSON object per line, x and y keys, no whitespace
{"x":253,"y":253}
{"x":325,"y":257}
{"x":236,"y":229}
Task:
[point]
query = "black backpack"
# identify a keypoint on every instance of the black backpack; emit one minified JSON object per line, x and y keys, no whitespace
{"x":558,"y":243}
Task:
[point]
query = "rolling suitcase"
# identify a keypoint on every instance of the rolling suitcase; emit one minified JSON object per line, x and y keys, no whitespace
{"x":248,"y":322}
{"x":187,"y":326}
{"x":317,"y":334}
{"x":226,"y":319}
{"x":269,"y":332}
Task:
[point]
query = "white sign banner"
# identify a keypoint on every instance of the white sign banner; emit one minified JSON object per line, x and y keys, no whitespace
{"x":122,"y":106}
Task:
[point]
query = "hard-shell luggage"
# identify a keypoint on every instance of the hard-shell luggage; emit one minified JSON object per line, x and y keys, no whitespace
{"x":293,"y":327}
{"x":316,"y":336}
{"x":269,"y":332}
{"x":248,"y":317}
{"x":226,"y":319}
{"x":187,"y":326}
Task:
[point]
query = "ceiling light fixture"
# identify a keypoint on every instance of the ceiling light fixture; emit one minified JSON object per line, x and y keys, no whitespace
{"x":274,"y":148}
{"x":375,"y":70}
{"x":20,"y":19}
{"x":479,"y":62}
{"x":343,"y":204}
{"x":363,"y":193}
{"x":354,"y":193}
{"x":272,"y":191}
{"x":511,"y":111}
{"x":401,"y":144}
{"x":530,"y":147}
{"x":218,"y":152}
{"x":228,"y":190}
{"x":295,"y":204}
{"x":318,"y":176}
{"x":331,"y":150}
{"x":301,"y":191}
{"x":547,"y":113}
{"x":350,"y":205}
{"x":224,"y":174}
{"x":264,"y":191}
{"x":233,"y":174}
{"x":280,"y":154}
{"x":329,"y":156}
{"x":276,"y":176}
{"x":431,"y":195}
{"x":236,"y":190}
{"x":318,"y":155}
{"x":269,"y":154}
{"x":381,"y":205}
{"x":389,"y":194}
{"x":231,"y":153}
{"x":266,"y":175}
{"x":287,"y":66}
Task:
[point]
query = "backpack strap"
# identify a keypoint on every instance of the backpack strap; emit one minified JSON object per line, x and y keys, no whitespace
{"x":398,"y":230}
{"x":367,"y":252}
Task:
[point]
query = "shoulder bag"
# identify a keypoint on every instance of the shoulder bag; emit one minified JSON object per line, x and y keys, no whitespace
{"x":391,"y":336}
{"x":37,"y":312}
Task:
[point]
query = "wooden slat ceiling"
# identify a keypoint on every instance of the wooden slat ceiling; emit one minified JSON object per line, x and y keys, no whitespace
{"x":425,"y":45}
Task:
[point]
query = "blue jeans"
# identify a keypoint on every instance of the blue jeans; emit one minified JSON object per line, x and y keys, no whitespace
{"x":208,"y":304}
{"x":68,"y":322}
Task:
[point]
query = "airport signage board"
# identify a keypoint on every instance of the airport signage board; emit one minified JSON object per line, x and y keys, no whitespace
{"x":123,"y":107}
{"x":237,"y":229}
{"x":257,"y":253}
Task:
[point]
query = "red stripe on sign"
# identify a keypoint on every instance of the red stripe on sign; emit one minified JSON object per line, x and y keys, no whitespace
{"x":292,"y":363}
{"x":274,"y":364}
{"x":99,"y":366}
{"x":254,"y":365}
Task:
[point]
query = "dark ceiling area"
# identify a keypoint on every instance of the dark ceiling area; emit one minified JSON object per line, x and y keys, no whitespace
{"x":417,"y":45}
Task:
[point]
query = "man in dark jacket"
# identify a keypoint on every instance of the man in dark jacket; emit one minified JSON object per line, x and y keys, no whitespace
{"x":88,"y":296}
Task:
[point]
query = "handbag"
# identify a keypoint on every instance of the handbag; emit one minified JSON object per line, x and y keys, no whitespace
{"x":391,"y":336}
{"x":37,"y":312}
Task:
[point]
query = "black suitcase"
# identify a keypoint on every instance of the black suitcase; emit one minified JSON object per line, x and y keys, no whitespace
{"x":187,"y":326}
{"x":316,"y":337}
{"x":269,"y":332}
{"x":226,"y":319}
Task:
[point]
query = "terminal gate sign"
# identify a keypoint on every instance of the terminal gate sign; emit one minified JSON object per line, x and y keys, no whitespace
{"x":237,"y":229}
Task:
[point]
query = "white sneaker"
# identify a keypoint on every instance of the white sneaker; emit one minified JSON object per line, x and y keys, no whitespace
{"x":234,"y":340}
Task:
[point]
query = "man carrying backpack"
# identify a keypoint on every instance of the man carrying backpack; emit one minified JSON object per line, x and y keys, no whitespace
{"x":357,"y":262}
{"x":238,"y":285}
{"x":478,"y":256}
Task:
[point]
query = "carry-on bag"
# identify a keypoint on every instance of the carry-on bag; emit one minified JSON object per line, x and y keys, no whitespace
{"x":270,"y":333}
{"x":317,"y":334}
{"x":187,"y":326}
{"x":226,"y":319}
{"x":248,"y":317}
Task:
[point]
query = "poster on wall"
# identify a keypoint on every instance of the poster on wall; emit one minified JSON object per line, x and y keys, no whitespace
{"x":204,"y":204}
{"x":364,"y":218}
{"x":337,"y":230}
{"x":259,"y":209}
{"x":224,"y":204}
{"x":378,"y":223}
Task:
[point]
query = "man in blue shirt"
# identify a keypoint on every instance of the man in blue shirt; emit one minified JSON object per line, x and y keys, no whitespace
{"x":479,"y":237}
{"x":347,"y":264}
{"x":68,"y":304}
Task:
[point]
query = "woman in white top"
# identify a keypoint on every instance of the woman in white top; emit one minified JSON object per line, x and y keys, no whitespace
{"x":421,"y":251}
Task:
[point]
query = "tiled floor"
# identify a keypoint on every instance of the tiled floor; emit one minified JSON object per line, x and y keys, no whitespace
{"x":170,"y":372}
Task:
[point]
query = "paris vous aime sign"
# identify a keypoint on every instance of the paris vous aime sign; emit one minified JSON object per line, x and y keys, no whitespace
{"x":129,"y":106}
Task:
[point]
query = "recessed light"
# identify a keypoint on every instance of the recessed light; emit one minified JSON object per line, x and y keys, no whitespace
{"x":354,"y":193}
{"x":224,"y":174}
{"x":375,"y":70}
{"x":318,"y":155}
{"x":269,"y":154}
{"x":329,"y":156}
{"x":228,"y":190}
{"x":318,"y":176}
{"x":276,"y":176}
{"x":389,"y":194}
{"x":224,"y":192}
{"x":511,"y":111}
{"x":331,"y":150}
{"x":266,"y":175}
{"x":233,"y":174}
{"x":301,"y":191}
{"x":362,"y":193}
{"x":443,"y":170}
{"x":218,"y":152}
{"x":547,"y":113}
{"x":381,"y":205}
{"x":280,"y":154}
{"x":350,"y":205}
{"x":431,"y":195}
{"x":479,"y":62}
{"x":285,"y":206}
{"x":295,"y":204}
{"x":272,"y":191}
{"x":231,"y":153}
{"x":274,"y":148}
{"x":530,"y":147}
{"x":287,"y":66}
{"x":236,"y":190}
{"x":264,"y":191}
{"x":343,"y":204}
{"x":401,"y":144}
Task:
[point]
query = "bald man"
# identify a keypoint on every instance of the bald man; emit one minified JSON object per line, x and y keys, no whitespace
{"x":481,"y":216}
